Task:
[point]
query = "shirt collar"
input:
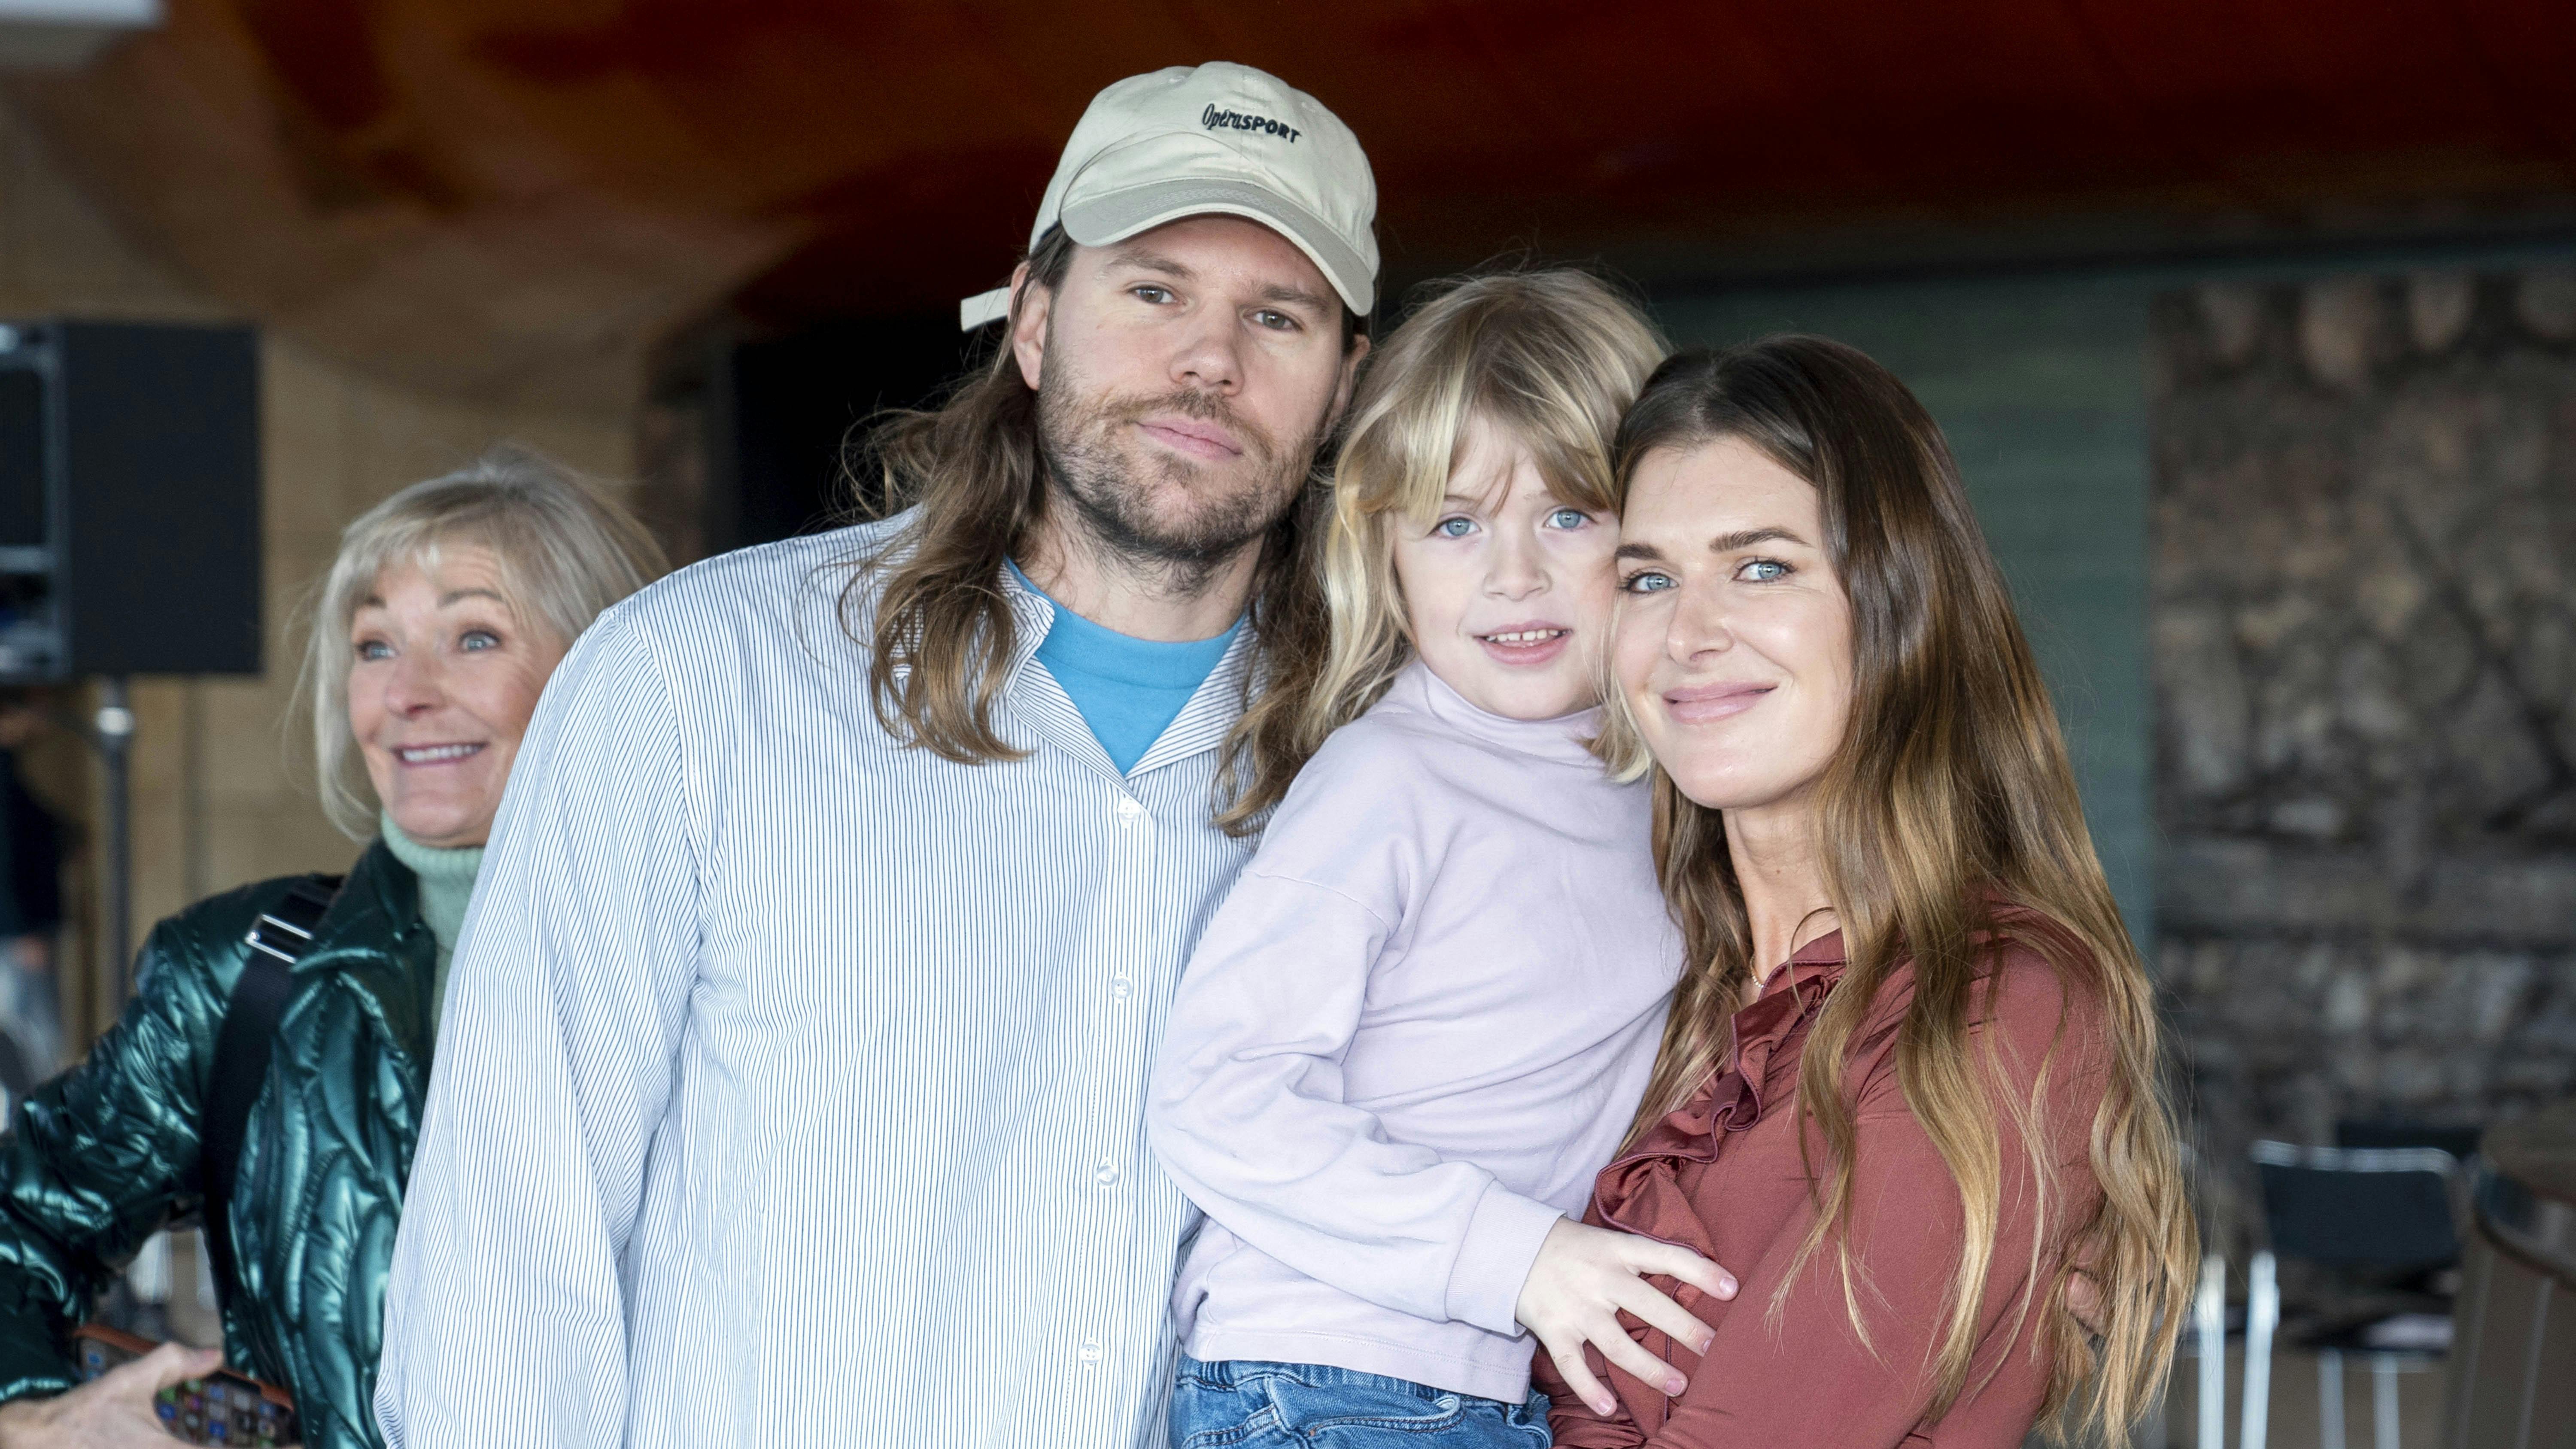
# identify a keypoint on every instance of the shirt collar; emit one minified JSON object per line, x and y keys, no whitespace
{"x":1201,"y":725}
{"x":1562,"y":739}
{"x":1819,"y":960}
{"x":1209,"y":717}
{"x":1031,"y":611}
{"x":451,"y":864}
{"x":1105,"y":653}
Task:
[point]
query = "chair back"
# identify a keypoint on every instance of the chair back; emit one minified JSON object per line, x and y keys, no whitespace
{"x":2460,"y":1142}
{"x":2386,"y":1208}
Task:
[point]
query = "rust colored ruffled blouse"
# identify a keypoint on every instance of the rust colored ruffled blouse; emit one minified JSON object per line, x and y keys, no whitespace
{"x":1724,"y":1177}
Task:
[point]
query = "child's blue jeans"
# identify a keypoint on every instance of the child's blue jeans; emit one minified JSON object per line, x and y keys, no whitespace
{"x":1247,"y":1405}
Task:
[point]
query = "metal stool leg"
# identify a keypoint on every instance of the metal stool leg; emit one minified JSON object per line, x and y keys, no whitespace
{"x":2383,"y":1401}
{"x":2329,"y":1399}
{"x":2262,"y":1315}
{"x":2209,"y":1324}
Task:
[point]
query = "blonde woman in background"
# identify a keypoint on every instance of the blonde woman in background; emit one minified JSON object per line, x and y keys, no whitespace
{"x":446,"y":610}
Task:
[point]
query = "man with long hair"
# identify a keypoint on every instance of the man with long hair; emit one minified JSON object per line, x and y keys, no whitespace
{"x":803,"y":1020}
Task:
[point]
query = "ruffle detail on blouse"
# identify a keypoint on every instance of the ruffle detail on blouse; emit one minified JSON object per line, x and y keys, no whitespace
{"x":1731,"y":1101}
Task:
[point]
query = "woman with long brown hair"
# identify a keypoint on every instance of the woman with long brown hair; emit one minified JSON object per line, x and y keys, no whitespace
{"x":1911,"y":1075}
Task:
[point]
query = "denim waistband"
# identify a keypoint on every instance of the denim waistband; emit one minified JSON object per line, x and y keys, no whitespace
{"x":1237,"y":1373}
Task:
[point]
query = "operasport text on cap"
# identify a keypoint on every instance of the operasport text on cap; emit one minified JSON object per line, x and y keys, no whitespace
{"x":1220,"y":139}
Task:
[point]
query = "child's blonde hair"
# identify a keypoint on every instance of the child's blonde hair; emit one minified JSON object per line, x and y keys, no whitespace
{"x":1555,"y":356}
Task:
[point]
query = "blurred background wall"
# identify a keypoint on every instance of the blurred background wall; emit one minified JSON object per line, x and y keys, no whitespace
{"x":2363,"y":618}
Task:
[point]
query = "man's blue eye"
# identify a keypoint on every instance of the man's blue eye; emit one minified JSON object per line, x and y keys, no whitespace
{"x":1568,"y":518}
{"x":1454,"y":527}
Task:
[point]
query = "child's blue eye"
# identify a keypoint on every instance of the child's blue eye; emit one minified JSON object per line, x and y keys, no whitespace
{"x":1568,"y":518}
{"x":1645,"y":581}
{"x":1454,"y":527}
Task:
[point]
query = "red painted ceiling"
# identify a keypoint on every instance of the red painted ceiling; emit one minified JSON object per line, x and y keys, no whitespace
{"x":840,"y":155}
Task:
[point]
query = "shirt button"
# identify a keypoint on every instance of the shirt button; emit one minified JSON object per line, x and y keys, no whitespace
{"x":1106,"y":1174}
{"x":1091,"y":1353}
{"x":1128,"y":810}
{"x":1120,"y":988}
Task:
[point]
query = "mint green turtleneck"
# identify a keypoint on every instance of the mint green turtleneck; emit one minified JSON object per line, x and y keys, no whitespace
{"x":446,"y":884}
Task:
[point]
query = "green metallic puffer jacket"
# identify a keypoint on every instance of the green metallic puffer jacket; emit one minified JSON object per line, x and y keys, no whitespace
{"x":105,"y":1155}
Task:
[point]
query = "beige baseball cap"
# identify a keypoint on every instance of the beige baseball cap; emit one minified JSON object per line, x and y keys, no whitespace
{"x":1220,"y":138}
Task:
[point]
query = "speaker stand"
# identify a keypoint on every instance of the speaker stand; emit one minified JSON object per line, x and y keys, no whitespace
{"x":113,"y":733}
{"x":140,"y":1301}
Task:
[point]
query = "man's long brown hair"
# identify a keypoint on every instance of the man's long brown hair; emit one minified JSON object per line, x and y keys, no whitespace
{"x":1946,"y":823}
{"x":943,"y":635}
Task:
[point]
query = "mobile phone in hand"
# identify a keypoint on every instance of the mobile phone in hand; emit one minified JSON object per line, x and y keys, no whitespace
{"x":222,"y":1408}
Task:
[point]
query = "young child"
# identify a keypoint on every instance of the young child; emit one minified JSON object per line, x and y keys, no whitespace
{"x":1422,"y":1020}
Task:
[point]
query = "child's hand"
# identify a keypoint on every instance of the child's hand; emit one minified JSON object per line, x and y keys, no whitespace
{"x":1584,"y":1276}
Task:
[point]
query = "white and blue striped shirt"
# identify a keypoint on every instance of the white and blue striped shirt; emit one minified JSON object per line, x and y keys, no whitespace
{"x":792,"y":1084}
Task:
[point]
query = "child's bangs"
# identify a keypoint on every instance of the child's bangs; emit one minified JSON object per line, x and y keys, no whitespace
{"x":1577,"y":471}
{"x":1408,"y":466}
{"x":1568,"y":441}
{"x":1403,"y":460}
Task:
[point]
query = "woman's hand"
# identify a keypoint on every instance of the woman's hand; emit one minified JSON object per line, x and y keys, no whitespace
{"x":1584,"y":1276}
{"x":113,"y":1411}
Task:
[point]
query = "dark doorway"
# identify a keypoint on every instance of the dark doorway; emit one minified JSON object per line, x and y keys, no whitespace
{"x":789,"y":412}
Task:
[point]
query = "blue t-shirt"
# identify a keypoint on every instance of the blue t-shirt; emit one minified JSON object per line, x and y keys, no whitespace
{"x":1128,"y":689}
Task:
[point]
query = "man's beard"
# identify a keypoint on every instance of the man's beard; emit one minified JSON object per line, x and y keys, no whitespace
{"x":1126,"y":494}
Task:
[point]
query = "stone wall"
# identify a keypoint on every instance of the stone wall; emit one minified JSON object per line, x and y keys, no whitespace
{"x":2364,"y":618}
{"x":222,"y":793}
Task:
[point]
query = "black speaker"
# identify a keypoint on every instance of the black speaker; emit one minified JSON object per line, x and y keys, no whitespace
{"x":129,"y":500}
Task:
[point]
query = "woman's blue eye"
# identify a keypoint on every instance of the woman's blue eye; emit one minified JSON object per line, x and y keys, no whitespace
{"x":375,"y":649}
{"x":1646,"y":581}
{"x":1568,"y":518}
{"x":477,"y":639}
{"x":1454,"y":527}
{"x":1763,"y":571}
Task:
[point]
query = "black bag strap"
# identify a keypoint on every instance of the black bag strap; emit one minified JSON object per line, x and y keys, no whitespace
{"x":277,"y":940}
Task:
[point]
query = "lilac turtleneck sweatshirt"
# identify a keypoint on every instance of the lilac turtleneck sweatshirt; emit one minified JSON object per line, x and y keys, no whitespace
{"x":1408,"y":1040}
